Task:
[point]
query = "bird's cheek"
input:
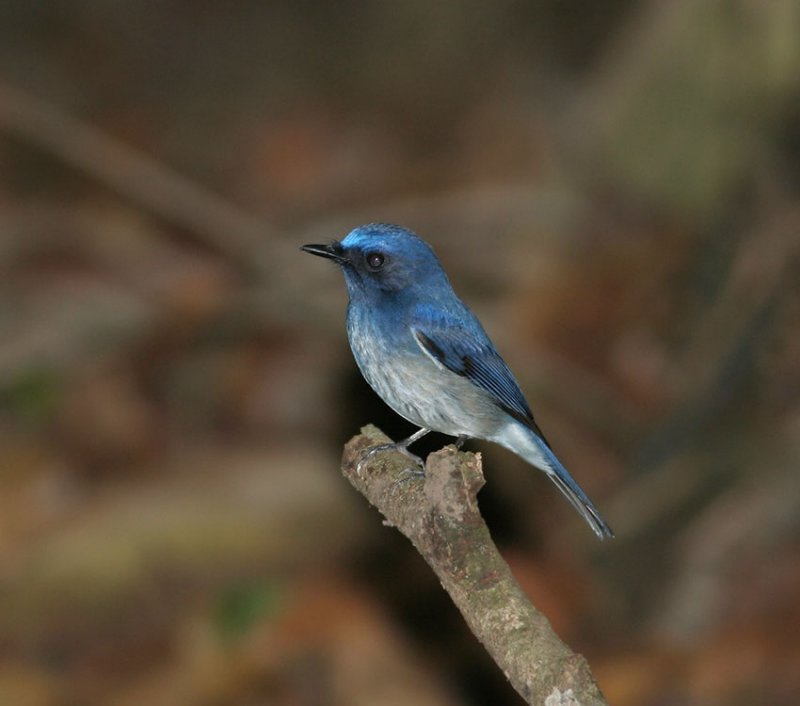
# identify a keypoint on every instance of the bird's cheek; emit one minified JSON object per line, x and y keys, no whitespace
{"x":355,"y":284}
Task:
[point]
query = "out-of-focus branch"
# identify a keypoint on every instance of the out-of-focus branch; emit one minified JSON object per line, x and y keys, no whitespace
{"x":142,"y":179}
{"x":439,"y":514}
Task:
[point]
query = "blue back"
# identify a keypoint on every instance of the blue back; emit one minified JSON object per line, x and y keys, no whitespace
{"x":408,"y":302}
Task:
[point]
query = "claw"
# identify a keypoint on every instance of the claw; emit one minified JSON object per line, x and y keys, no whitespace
{"x":409,"y":474}
{"x":400,"y":447}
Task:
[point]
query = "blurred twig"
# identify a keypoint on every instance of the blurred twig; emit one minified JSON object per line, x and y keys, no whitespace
{"x":440,"y":515}
{"x":726,"y":335}
{"x":150,"y":183}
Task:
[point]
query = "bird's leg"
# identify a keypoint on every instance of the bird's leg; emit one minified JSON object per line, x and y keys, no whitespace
{"x":416,"y":436}
{"x":460,"y":441}
{"x":402,"y":447}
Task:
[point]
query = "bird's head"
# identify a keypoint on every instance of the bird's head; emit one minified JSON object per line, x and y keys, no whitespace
{"x":383,"y":258}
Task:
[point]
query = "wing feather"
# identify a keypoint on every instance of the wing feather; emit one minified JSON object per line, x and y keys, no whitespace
{"x":460,"y":344}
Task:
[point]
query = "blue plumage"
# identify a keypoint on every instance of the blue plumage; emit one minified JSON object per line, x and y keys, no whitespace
{"x":427,"y":355}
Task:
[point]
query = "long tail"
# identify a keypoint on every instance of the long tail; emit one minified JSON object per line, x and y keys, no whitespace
{"x":580,"y":501}
{"x":527,"y":444}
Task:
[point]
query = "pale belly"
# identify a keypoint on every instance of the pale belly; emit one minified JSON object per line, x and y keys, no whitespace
{"x":428,"y":394}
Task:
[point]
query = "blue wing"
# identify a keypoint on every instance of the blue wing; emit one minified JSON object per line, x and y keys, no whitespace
{"x":459,"y":343}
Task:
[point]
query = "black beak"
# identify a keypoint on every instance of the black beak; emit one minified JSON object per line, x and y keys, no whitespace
{"x":332,"y":252}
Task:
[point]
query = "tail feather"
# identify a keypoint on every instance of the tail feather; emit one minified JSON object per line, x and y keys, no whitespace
{"x":579,"y":500}
{"x":525,"y":443}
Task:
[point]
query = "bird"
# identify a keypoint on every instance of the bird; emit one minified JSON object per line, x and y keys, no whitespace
{"x":425,"y":353}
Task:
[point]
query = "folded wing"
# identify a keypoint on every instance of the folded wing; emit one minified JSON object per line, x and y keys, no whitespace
{"x":459,"y":343}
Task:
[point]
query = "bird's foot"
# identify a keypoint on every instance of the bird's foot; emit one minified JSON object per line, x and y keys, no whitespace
{"x":402,"y":448}
{"x":460,"y":441}
{"x":409,"y":474}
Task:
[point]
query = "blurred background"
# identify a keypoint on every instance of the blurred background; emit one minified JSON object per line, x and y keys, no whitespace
{"x":613,"y":187}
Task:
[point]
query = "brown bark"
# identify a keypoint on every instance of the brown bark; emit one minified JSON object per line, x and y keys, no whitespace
{"x":439,"y":514}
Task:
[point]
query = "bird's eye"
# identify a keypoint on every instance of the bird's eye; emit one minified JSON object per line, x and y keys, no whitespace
{"x":375,"y":260}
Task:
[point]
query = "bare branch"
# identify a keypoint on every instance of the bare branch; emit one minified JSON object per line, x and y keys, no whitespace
{"x":439,"y":514}
{"x":142,"y":179}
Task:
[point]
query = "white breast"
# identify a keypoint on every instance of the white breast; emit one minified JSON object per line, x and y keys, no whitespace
{"x":424,"y":392}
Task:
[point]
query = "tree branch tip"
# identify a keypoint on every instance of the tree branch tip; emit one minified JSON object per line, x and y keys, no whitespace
{"x":470,"y":465}
{"x":460,"y":471}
